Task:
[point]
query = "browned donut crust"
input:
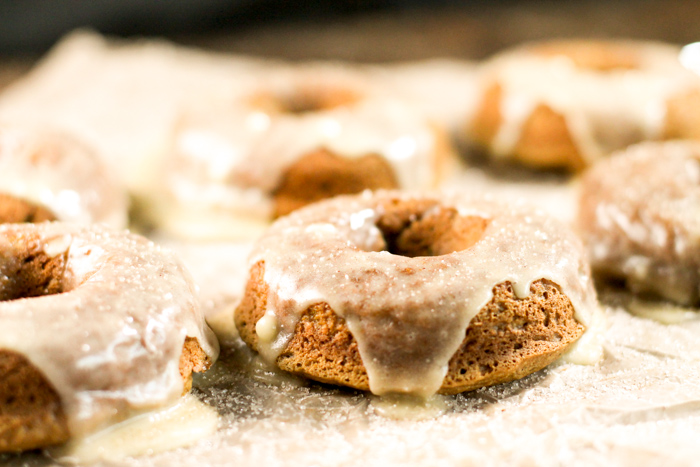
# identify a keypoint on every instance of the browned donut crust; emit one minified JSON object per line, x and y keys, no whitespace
{"x":30,"y":408}
{"x":322,"y":174}
{"x":31,"y":416}
{"x":545,"y":140}
{"x":13,"y":210}
{"x":508,"y":339}
{"x":682,"y":116}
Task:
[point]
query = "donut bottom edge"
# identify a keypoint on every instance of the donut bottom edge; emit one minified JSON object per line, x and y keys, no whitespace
{"x":508,"y":339}
{"x":31,"y":415}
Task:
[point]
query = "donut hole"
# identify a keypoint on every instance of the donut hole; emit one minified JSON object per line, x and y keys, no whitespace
{"x":307,"y":99}
{"x":30,"y":271}
{"x":415,"y":228}
{"x":595,"y":56}
{"x":16,"y":210}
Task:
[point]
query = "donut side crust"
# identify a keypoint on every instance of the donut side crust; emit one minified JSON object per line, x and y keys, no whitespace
{"x":30,"y":409}
{"x":16,"y":210}
{"x":545,"y":140}
{"x":31,"y":415}
{"x":508,"y":339}
{"x":322,"y":174}
{"x":683,"y":116}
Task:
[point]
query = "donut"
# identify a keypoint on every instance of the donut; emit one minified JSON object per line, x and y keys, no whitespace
{"x":417,"y":294}
{"x":566,"y":104}
{"x":48,"y":175}
{"x":97,"y":326}
{"x":638,"y":214}
{"x":301,"y":135}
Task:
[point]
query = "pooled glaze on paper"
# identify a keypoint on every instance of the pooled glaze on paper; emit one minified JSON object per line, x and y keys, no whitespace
{"x":228,"y":158}
{"x":53,"y":170}
{"x":334,"y":253}
{"x":177,"y":426}
{"x":604,"y":111}
{"x":110,"y":344}
{"x":640,"y":217}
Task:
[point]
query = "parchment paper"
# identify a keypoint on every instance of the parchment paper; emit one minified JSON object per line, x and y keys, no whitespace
{"x":639,"y":406}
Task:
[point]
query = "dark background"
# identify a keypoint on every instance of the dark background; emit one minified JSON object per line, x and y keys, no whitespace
{"x":361,"y":30}
{"x":350,"y":30}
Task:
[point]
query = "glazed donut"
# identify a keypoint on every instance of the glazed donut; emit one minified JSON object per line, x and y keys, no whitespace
{"x":302,"y":135}
{"x":48,"y":175}
{"x":639,"y":217}
{"x":566,"y":104}
{"x":396,"y":293}
{"x":97,"y":326}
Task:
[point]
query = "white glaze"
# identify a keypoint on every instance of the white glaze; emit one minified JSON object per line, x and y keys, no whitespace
{"x":110,"y":344}
{"x":647,"y":228}
{"x":663,"y":312}
{"x":228,"y":158}
{"x":409,"y":315}
{"x":53,"y":170}
{"x":604,"y":111}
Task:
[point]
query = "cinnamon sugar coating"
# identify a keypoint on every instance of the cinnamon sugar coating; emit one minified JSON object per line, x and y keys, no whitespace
{"x":414,"y":286}
{"x":97,"y":326}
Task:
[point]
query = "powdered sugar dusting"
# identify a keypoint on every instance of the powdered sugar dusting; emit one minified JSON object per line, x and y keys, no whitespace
{"x":647,"y":230}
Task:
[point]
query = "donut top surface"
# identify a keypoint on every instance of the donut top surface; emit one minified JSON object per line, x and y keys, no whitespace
{"x":640,"y":214}
{"x":104,"y":318}
{"x":233,"y":155}
{"x":409,"y":314}
{"x":54,"y":171}
{"x":611,"y":94}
